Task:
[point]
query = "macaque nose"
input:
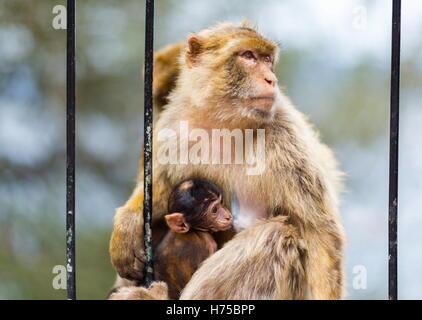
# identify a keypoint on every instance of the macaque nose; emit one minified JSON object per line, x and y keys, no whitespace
{"x":270,"y":82}
{"x":271,"y":79}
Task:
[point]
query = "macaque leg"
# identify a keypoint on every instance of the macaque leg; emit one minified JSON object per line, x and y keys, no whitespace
{"x":264,"y":261}
{"x":325,"y":269}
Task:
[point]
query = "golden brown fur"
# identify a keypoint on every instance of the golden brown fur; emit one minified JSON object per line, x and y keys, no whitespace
{"x":179,"y":255}
{"x":299,"y":246}
{"x":157,"y":291}
{"x":265,"y":261}
{"x":166,"y":70}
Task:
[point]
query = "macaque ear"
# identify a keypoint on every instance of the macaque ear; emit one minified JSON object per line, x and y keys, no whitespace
{"x":195,"y":47}
{"x":245,"y":23}
{"x":177,"y":222}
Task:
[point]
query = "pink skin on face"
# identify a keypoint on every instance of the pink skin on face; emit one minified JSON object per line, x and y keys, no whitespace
{"x":260,"y":67}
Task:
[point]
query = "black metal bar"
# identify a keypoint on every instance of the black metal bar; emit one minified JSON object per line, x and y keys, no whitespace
{"x":394,"y":151}
{"x":148,"y":107}
{"x":70,"y":152}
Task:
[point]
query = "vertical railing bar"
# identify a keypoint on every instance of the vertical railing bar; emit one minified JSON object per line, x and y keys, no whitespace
{"x":70,"y":152}
{"x":148,"y":118}
{"x":394,"y":149}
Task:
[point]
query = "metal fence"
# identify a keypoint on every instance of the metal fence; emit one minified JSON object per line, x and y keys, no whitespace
{"x":148,"y":117}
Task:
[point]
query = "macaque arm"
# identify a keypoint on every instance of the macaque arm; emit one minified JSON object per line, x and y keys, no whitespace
{"x":126,"y":244}
{"x":265,"y":261}
{"x":126,"y":247}
{"x":325,"y":268}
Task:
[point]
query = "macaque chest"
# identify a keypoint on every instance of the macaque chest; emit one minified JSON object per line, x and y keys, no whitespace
{"x":247,"y":208}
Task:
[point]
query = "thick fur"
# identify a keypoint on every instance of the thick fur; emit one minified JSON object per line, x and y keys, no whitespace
{"x":299,"y":189}
{"x":157,"y":291}
{"x":166,"y":70}
{"x":265,"y":261}
{"x":179,"y":255}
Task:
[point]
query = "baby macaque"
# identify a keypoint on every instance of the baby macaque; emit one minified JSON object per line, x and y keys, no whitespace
{"x":195,"y":211}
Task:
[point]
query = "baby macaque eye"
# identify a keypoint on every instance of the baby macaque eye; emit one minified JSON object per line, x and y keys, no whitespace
{"x":248,"y":55}
{"x":267,"y":59}
{"x":214,"y":209}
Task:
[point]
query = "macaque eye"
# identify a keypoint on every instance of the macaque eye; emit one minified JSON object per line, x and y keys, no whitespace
{"x":248,"y":55}
{"x":214,"y":209}
{"x":267,"y":59}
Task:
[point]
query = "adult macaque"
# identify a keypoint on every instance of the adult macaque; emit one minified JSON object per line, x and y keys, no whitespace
{"x":226,"y":81}
{"x":195,"y":212}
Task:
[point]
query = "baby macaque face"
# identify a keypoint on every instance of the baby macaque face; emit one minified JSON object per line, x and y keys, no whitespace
{"x":216,"y":217}
{"x":197,"y":205}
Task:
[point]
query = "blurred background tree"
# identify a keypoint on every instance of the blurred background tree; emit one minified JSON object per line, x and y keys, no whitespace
{"x":335,"y":64}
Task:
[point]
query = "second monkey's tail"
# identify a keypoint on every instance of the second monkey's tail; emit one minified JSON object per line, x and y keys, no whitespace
{"x":166,"y":71}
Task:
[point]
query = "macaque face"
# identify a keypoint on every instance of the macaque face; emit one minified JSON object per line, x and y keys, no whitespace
{"x":261,"y":82}
{"x":233,"y":69}
{"x":197,"y":204}
{"x":218,"y":217}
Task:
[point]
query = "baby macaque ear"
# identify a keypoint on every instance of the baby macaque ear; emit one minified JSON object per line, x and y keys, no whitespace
{"x":195,"y":47}
{"x":177,"y":222}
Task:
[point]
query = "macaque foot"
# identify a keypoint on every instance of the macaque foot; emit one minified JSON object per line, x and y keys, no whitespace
{"x":157,"y":291}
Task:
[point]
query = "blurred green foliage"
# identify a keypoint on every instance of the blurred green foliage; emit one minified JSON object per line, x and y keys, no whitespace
{"x":109,"y":86}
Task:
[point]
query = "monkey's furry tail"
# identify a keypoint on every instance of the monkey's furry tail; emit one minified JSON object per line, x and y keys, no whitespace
{"x":157,"y":291}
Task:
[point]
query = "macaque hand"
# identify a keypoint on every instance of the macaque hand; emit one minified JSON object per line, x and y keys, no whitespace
{"x":126,"y":245}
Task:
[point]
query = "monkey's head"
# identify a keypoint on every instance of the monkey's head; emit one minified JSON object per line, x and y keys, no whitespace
{"x":231,"y":71}
{"x":196,"y":204}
